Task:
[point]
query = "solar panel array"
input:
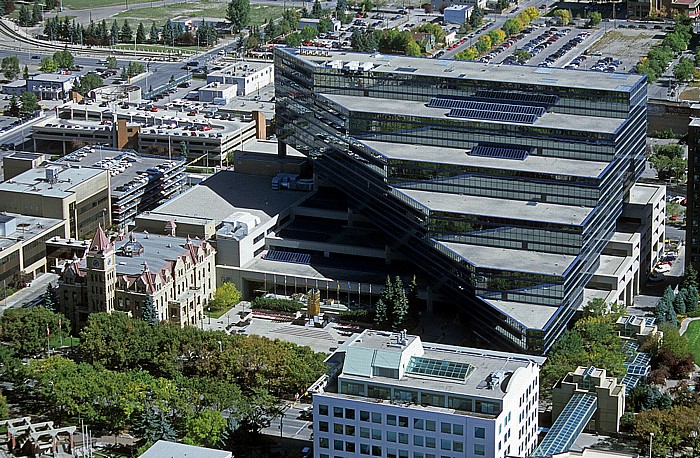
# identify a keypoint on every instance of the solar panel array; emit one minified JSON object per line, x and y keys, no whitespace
{"x":288,"y":256}
{"x":499,"y":152}
{"x":570,"y":423}
{"x":526,"y":97}
{"x":439,"y":368}
{"x":630,"y":348}
{"x":489,"y":106}
{"x":630,"y":381}
{"x":492,"y":115}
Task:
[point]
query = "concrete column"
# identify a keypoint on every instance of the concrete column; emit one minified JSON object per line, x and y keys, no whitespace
{"x":429,"y":300}
{"x":281,"y":149}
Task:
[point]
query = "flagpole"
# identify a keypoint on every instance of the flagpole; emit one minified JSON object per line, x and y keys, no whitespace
{"x":60,"y":334}
{"x":48,"y":343}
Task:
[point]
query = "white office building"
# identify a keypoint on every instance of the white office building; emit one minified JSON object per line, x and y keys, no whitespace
{"x":397,"y":397}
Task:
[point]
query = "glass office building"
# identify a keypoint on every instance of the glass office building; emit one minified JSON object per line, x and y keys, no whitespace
{"x":502,"y":183}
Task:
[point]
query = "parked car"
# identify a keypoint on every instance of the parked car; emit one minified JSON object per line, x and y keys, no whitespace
{"x":656,"y":277}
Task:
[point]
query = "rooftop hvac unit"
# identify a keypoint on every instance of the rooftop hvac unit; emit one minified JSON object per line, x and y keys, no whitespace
{"x":51,"y":174}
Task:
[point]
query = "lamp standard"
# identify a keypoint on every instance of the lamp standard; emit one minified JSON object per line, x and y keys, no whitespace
{"x":651,"y":441}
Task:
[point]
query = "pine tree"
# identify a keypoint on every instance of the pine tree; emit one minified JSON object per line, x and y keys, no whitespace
{"x":148,"y":312}
{"x":690,"y":278}
{"x":36,"y":13}
{"x":25,"y":73}
{"x":399,"y":307}
{"x":153,"y":34}
{"x":412,"y":294}
{"x":679,"y":303}
{"x":316,"y":9}
{"x":50,"y":298}
{"x":380,"y":315}
{"x":691,"y":299}
{"x":114,"y":33}
{"x":13,"y":107}
{"x":25,"y":16}
{"x":140,"y":33}
{"x":153,"y":425}
{"x":669,"y":295}
{"x":125,"y":34}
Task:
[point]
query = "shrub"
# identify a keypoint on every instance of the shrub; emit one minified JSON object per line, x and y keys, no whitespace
{"x":361,"y":316}
{"x":277,"y":305}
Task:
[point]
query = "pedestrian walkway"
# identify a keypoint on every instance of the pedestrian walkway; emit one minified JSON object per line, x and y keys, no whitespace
{"x":34,"y":290}
{"x":303,"y":331}
{"x":685,"y":323}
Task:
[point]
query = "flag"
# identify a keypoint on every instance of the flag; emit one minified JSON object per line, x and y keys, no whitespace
{"x":59,"y":323}
{"x":48,"y":332}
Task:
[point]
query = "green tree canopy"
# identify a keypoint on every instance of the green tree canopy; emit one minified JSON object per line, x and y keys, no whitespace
{"x":25,"y":329}
{"x":10,"y":67}
{"x":29,"y":104}
{"x":238,"y":14}
{"x":225,"y":297}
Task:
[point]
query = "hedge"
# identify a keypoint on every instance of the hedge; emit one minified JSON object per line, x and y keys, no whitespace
{"x":278,"y":305}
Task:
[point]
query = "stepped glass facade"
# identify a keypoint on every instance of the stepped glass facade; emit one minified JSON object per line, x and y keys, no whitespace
{"x":502,"y":183}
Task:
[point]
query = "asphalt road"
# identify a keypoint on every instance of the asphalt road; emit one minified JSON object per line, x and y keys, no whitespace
{"x":292,"y":426}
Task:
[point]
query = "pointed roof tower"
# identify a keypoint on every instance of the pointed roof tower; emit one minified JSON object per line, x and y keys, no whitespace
{"x":100,"y":243}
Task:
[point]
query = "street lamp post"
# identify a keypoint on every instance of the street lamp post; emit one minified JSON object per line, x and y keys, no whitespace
{"x":651,"y":441}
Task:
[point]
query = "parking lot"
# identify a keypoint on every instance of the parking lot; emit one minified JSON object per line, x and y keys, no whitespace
{"x":544,"y":46}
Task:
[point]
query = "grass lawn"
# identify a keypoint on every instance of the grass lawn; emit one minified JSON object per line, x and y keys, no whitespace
{"x":215,"y":314}
{"x":157,"y":48}
{"x":259,"y":14}
{"x":67,"y":342}
{"x":87,"y":4}
{"x":693,"y":335}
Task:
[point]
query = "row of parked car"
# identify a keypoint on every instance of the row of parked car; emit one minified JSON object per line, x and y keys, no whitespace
{"x":606,"y":64}
{"x":561,"y":52}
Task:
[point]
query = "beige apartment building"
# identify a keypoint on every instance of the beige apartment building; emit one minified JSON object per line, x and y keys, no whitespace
{"x":78,"y":195}
{"x":176,"y":275}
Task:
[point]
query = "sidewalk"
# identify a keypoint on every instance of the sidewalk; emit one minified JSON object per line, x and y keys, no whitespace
{"x":34,"y":290}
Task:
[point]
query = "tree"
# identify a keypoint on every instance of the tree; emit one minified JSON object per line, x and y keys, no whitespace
{"x":468,"y":54}
{"x":225,"y":297}
{"x":238,"y":14}
{"x":25,"y":329}
{"x":140,"y":33}
{"x":690,"y":277}
{"x":684,"y":69}
{"x":511,"y":27}
{"x":9,"y":7}
{"x":114,"y":33}
{"x":28,"y":103}
{"x":13,"y":107}
{"x":125,"y":33}
{"x":400,"y":306}
{"x":316,"y":9}
{"x":381,"y":317}
{"x":88,"y":83}
{"x":64,"y":59}
{"x":563,"y":16}
{"x":25,"y":16}
{"x":10,"y":67}
{"x":153,"y":33}
{"x":50,"y":298}
{"x":149,"y":313}
{"x":325,"y":25}
{"x":308,"y":33}
{"x":153,"y":425}
{"x":204,"y":428}
{"x":647,"y":397}
{"x":25,"y":72}
{"x":183,"y":150}
{"x":116,"y":341}
{"x":691,"y":299}
{"x":111,"y":62}
{"x":36,"y":13}
{"x":679,"y":303}
{"x":594,"y":19}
